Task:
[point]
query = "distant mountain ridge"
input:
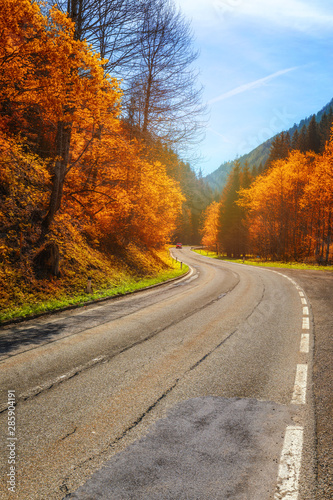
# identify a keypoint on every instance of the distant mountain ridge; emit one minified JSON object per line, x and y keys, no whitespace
{"x":258,"y":156}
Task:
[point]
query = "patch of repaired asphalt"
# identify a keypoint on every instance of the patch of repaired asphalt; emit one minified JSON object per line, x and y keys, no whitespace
{"x":206,"y":448}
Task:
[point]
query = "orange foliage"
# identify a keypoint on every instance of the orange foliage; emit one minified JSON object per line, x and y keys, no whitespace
{"x":157,"y":201}
{"x":211,"y":227}
{"x":43,"y":64}
{"x":290,"y":207}
{"x":108,"y":186}
{"x":22,"y":179}
{"x":118,"y":193}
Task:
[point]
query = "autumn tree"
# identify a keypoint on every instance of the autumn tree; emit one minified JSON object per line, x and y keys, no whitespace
{"x":164,"y":100}
{"x":153,"y":37}
{"x":211,"y":225}
{"x":149,"y":46}
{"x":93,"y":179}
{"x":23,"y":177}
{"x":64,"y":78}
{"x":280,"y":224}
{"x":198,"y":195}
{"x":318,"y":199}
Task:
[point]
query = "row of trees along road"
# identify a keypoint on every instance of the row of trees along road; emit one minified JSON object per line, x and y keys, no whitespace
{"x":82,"y":148}
{"x":283,"y":214}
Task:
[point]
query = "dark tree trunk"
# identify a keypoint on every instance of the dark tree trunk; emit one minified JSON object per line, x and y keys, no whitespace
{"x":47,"y":260}
{"x":63,"y":139}
{"x":146,"y":108}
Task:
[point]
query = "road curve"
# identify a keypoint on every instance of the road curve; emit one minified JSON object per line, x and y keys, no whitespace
{"x":228,"y":346}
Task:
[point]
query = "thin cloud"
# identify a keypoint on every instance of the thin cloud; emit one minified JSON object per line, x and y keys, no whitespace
{"x":300,"y":15}
{"x":223,"y":137}
{"x":251,"y":85}
{"x":296,"y":13}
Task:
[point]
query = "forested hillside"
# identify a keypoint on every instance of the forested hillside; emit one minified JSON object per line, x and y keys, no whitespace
{"x":90,"y":180}
{"x":259,"y":158}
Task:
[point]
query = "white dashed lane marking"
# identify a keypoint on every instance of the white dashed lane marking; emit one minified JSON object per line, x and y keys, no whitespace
{"x":299,"y":394}
{"x":305,"y":323}
{"x":291,"y":455}
{"x":290,"y":464}
{"x":305,"y":343}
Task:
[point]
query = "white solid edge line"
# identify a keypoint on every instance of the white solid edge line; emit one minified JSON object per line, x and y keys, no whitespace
{"x":305,"y":343}
{"x":299,"y":394}
{"x":290,"y":464}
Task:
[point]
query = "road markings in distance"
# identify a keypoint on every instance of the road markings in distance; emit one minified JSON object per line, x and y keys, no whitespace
{"x":305,"y":343}
{"x":305,"y":311}
{"x":299,"y":394}
{"x":306,"y":323}
{"x":290,"y":464}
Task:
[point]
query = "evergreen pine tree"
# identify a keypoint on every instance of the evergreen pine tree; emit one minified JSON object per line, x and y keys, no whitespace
{"x":254,"y":171}
{"x":233,"y":236}
{"x":313,"y":136}
{"x":325,"y":129}
{"x":295,"y":140}
{"x":279,"y":149}
{"x":302,"y":140}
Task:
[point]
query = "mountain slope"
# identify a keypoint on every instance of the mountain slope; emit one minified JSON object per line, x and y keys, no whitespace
{"x":258,"y":156}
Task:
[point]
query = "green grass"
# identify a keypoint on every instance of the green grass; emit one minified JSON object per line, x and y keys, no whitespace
{"x":29,"y":309}
{"x":261,"y":263}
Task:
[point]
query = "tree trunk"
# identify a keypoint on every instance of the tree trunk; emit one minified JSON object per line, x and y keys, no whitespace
{"x":63,"y":139}
{"x":47,"y":260}
{"x":147,"y":103}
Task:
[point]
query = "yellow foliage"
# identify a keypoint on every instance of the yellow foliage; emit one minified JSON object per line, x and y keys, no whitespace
{"x":290,"y":206}
{"x":110,"y":188}
{"x":211,"y":226}
{"x":23,"y":177}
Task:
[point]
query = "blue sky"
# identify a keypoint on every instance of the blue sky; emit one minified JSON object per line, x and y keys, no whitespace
{"x":264,"y":64}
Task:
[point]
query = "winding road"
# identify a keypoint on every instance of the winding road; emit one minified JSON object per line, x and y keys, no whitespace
{"x":200,"y":388}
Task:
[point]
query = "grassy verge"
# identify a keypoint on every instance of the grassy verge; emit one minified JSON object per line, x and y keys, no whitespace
{"x":261,"y":263}
{"x":30,"y":307}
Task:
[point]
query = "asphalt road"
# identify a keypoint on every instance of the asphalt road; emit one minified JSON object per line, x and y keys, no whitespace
{"x":191,"y":390}
{"x":319,"y":290}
